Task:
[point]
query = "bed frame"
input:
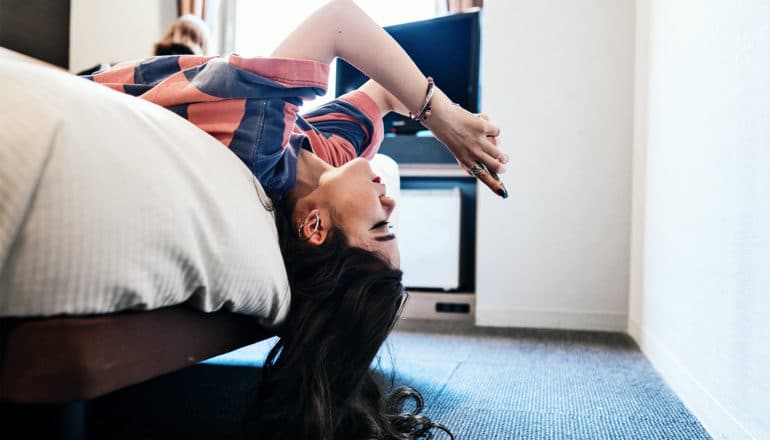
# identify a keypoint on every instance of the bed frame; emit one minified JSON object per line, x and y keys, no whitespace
{"x":50,"y":367}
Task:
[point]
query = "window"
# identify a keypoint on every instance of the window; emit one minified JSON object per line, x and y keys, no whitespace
{"x":259,"y":26}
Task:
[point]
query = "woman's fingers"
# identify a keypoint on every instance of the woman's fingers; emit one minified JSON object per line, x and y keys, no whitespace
{"x":492,"y":156}
{"x":472,"y":139}
{"x":490,"y":160}
{"x":485,"y":149}
{"x":491,"y":131}
{"x":488,"y":178}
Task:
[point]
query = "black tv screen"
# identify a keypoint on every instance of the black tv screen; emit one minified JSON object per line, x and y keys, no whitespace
{"x":446,"y":48}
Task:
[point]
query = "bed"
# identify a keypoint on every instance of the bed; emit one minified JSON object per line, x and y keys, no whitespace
{"x":132,"y":245}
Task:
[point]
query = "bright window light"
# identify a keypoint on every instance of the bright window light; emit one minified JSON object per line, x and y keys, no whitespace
{"x":260,"y":26}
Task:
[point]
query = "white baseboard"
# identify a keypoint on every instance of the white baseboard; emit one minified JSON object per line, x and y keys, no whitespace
{"x":496,"y":317}
{"x":714,"y":417}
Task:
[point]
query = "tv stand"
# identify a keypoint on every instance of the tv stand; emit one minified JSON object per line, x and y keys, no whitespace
{"x":426,"y":164}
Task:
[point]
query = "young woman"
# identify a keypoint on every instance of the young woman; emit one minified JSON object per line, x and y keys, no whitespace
{"x":332,"y":211}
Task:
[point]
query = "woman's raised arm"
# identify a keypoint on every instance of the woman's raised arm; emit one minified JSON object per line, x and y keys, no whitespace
{"x":341,"y":29}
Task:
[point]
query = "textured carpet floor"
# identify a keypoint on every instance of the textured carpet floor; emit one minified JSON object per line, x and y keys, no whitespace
{"x":529,"y":384}
{"x":482,"y":383}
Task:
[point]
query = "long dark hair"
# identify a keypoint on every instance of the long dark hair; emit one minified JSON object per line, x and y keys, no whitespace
{"x":317,"y":382}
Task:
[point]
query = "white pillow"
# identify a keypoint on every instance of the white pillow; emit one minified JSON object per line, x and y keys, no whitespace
{"x":109,"y":203}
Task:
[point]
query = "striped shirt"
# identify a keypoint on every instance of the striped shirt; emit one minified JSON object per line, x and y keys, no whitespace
{"x":251,"y":105}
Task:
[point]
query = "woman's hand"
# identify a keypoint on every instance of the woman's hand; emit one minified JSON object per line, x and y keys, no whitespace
{"x":472,"y":139}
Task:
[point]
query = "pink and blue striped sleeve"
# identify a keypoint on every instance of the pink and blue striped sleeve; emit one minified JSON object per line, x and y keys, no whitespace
{"x":344,"y":129}
{"x":248,"y":104}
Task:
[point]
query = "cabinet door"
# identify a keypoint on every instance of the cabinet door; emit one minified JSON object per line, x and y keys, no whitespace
{"x":429,"y":236}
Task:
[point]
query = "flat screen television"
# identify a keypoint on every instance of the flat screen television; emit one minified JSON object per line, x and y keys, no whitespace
{"x":446,"y":48}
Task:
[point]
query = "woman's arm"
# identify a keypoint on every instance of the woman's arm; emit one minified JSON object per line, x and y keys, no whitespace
{"x":384,"y":99}
{"x":342,"y":29}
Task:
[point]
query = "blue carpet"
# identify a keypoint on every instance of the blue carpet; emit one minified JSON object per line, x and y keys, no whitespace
{"x":488,"y":383}
{"x":482,"y":383}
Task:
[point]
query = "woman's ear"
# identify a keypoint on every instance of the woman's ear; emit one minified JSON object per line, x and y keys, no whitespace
{"x":312,"y":228}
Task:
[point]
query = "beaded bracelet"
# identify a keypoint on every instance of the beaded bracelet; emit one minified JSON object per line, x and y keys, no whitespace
{"x":425,"y":110}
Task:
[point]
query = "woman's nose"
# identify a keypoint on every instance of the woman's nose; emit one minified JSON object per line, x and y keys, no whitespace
{"x":388,"y":203}
{"x":362,"y":163}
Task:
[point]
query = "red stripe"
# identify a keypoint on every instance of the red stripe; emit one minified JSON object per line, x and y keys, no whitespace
{"x":285,"y":71}
{"x":370,"y":108}
{"x":116,"y":75}
{"x":176,"y":90}
{"x":289,"y":119}
{"x":219,"y":119}
{"x":334,"y":150}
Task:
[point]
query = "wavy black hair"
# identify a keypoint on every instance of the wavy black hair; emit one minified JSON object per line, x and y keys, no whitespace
{"x":317,"y":382}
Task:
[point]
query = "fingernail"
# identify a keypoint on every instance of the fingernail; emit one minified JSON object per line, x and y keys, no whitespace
{"x":503,"y":191}
{"x":502,"y":170}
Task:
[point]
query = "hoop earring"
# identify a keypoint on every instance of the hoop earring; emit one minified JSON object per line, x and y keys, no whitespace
{"x":315,"y":227}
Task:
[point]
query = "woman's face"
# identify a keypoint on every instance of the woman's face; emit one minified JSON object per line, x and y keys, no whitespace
{"x":358,"y":205}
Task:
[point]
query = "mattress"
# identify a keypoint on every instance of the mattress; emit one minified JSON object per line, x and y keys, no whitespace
{"x":109,"y":203}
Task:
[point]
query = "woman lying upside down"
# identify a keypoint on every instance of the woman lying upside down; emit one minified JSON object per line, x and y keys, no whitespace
{"x":331,"y":209}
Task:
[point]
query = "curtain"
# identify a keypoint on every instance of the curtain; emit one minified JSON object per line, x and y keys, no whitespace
{"x":463,"y":5}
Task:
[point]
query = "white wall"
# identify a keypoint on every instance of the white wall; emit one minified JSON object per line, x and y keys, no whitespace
{"x":557,"y":77}
{"x":700,"y":291}
{"x":113,"y":31}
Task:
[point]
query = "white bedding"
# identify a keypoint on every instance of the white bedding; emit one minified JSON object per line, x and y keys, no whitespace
{"x":110,"y":203}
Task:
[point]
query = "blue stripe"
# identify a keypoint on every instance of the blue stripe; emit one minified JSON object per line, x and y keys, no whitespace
{"x":257,"y":142}
{"x":304,"y":125}
{"x":223,"y":80}
{"x":136,"y":89}
{"x":154,"y":70}
{"x":298,"y":140}
{"x":180,"y":109}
